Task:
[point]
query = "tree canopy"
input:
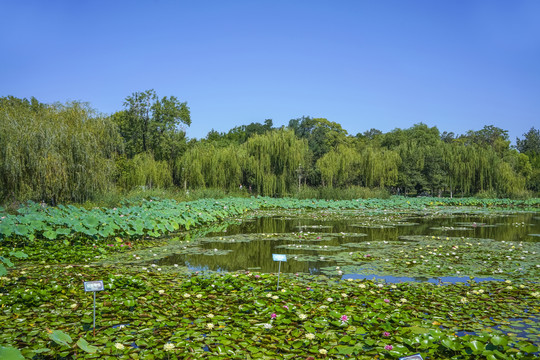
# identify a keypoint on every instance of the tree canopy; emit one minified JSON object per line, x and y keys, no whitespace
{"x":69,"y":152}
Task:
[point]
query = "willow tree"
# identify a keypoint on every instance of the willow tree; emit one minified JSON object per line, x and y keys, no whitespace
{"x":143,"y":171}
{"x":370,"y":166}
{"x":378,"y":167}
{"x":273,"y":161}
{"x":61,"y":152}
{"x":206,"y":165}
{"x":339,"y":166}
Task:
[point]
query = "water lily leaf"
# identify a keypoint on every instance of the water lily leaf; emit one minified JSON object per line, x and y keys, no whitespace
{"x":477,"y":346}
{"x":91,"y":222}
{"x":50,"y":234}
{"x":499,"y":340}
{"x":527,"y":347}
{"x":450,"y":343}
{"x":345,"y":350}
{"x":42,"y":350}
{"x":6,"y":261}
{"x":83,"y":344}
{"x":19,"y":254}
{"x":10,"y":353}
{"x":60,"y":337}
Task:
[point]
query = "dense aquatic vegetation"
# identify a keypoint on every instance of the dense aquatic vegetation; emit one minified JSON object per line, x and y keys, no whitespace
{"x":154,"y":310}
{"x":154,"y":217}
{"x":150,"y":314}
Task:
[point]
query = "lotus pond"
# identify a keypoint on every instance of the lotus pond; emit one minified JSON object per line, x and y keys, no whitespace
{"x":451,"y":278}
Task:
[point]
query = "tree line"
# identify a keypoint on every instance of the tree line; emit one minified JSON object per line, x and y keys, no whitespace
{"x":69,"y":152}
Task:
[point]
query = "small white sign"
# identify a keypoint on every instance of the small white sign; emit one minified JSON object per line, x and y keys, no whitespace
{"x":412,"y":357}
{"x":279,"y":257}
{"x":94,"y":285}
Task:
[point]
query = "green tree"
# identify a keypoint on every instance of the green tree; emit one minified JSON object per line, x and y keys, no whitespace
{"x":59,"y":152}
{"x":273,"y":160}
{"x":489,"y":135}
{"x":414,"y":146}
{"x":530,"y":144}
{"x":151,"y":124}
{"x":322,"y":135}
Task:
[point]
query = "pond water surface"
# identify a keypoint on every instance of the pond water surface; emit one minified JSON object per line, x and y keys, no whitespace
{"x":388,"y":246}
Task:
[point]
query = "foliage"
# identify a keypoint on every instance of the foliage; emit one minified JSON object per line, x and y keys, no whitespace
{"x":530,"y":144}
{"x":151,"y":124}
{"x":144,"y":172}
{"x":350,"y":193}
{"x":54,"y":153}
{"x":68,"y":153}
{"x":156,"y":312}
{"x":154,"y":218}
{"x":240,"y":315}
{"x":274,"y":162}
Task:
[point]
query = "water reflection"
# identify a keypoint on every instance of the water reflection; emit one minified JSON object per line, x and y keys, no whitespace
{"x":272,"y":234}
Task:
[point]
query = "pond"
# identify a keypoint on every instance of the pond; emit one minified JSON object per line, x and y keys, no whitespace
{"x":399,"y":246}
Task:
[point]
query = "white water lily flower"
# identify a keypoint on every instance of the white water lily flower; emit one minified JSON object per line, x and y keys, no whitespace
{"x":161,"y":292}
{"x":210,"y":316}
{"x":210,"y":326}
{"x":119,"y":346}
{"x":168,"y":347}
{"x":267,"y":326}
{"x":310,"y":336}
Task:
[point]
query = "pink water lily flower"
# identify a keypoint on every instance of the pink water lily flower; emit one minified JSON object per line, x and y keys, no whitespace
{"x":273,"y":316}
{"x":386,"y":301}
{"x":344,"y":318}
{"x":388,"y":347}
{"x":386,"y":334}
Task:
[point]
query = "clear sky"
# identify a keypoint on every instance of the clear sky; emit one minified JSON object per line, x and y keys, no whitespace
{"x":385,"y":64}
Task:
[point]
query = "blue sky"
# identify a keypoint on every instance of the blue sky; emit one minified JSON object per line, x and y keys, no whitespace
{"x":454,"y":64}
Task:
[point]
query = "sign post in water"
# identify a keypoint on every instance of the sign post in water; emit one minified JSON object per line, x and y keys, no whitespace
{"x":94,"y":286}
{"x":280,"y":258}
